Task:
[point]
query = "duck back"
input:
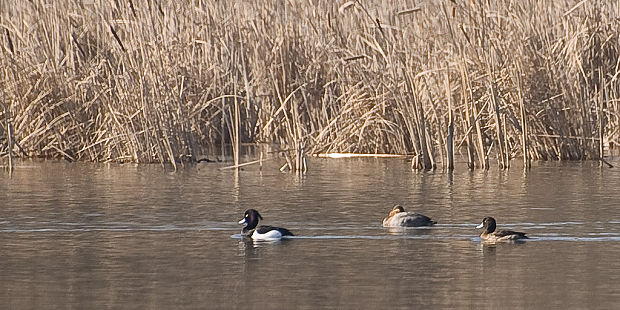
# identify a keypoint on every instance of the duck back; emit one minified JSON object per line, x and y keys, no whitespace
{"x":267,"y":229}
{"x":509,"y":234}
{"x":503,"y":235}
{"x":407,"y":219}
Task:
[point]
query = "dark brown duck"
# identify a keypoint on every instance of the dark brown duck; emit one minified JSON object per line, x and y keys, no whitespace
{"x":491,"y":235}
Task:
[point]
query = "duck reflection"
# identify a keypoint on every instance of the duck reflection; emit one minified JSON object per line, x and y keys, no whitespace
{"x":408,"y":231}
{"x":252,"y":248}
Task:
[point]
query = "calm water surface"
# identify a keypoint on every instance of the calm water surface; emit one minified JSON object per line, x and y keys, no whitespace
{"x":84,"y":236}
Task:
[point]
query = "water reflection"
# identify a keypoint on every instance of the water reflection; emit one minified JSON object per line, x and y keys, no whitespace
{"x":409,"y":231}
{"x":129,"y":236}
{"x":488,"y":255}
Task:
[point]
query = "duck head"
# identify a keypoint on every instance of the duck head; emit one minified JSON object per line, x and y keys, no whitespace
{"x":250,"y":219}
{"x":396,"y":209}
{"x":488,"y":223}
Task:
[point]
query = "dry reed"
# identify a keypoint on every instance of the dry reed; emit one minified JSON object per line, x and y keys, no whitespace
{"x":168,"y":81}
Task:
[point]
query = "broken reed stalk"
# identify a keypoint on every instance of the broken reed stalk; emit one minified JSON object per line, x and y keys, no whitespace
{"x":419,"y":119}
{"x":450,"y":139}
{"x":441,"y":140}
{"x":601,"y":118}
{"x":259,"y":162}
{"x":482,"y":154}
{"x":300,"y":159}
{"x":506,"y":144}
{"x":9,"y":129}
{"x":523,"y":118}
{"x":222,"y":127}
{"x":450,"y":142}
{"x":501,"y":157}
{"x":467,"y":120}
{"x":236,"y":130}
{"x":300,"y":154}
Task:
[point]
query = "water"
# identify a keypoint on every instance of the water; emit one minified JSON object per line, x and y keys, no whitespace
{"x":87,"y":236}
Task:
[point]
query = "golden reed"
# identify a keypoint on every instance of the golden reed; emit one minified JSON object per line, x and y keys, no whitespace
{"x":168,"y":81}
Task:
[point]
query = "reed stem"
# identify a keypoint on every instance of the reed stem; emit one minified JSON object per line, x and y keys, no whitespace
{"x":9,"y":130}
{"x":450,"y":142}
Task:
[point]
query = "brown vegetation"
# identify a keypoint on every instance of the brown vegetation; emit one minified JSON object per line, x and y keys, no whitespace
{"x":166,"y":81}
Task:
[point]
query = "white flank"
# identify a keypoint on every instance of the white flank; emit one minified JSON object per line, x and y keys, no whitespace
{"x":270,"y":235}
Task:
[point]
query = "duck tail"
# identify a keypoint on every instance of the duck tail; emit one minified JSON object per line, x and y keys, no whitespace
{"x":285,"y":232}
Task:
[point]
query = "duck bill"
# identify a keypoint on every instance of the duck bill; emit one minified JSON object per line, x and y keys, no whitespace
{"x":480,"y":226}
{"x":242,"y":221}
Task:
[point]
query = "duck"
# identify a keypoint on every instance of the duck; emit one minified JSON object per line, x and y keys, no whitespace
{"x":491,"y":235}
{"x":251,"y":230}
{"x":399,"y":218}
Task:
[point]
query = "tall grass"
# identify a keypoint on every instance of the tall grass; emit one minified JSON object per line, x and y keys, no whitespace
{"x":169,"y":81}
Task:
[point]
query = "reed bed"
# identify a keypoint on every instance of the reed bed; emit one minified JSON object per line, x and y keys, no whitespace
{"x":170,"y":81}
